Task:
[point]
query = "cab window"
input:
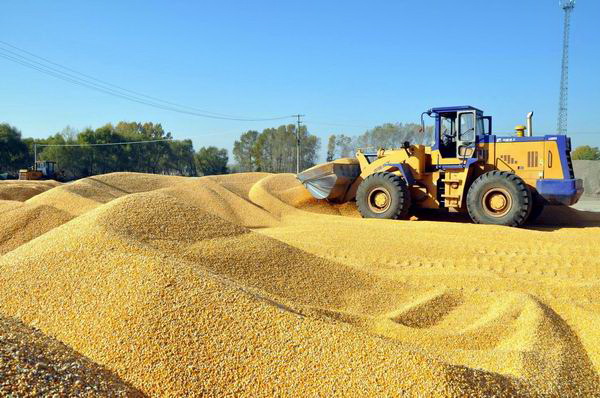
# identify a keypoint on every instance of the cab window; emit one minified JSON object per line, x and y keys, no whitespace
{"x":447,"y":127}
{"x":467,"y":127}
{"x":481,"y":126}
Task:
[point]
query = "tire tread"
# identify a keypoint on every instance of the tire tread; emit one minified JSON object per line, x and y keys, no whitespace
{"x":400,"y":186}
{"x":523,"y":191}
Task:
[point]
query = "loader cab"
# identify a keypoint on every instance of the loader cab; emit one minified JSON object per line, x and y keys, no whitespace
{"x":47,"y":168}
{"x":457,"y":130}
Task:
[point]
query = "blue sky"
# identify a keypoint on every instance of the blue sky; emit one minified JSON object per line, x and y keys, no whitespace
{"x":354,"y":63}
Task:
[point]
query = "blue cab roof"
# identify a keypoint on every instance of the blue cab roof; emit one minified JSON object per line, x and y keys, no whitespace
{"x":455,"y":109}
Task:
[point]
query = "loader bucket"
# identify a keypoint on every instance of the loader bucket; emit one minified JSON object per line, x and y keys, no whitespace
{"x":330,"y":180}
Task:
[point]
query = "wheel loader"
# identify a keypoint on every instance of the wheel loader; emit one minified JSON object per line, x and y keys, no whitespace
{"x":42,"y":170}
{"x":496,"y":179}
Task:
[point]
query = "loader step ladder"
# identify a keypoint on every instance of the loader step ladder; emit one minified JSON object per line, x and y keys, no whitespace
{"x":446,"y":199}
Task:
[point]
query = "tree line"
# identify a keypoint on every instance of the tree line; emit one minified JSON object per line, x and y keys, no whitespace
{"x":82,"y":158}
{"x":586,"y":152}
{"x":388,"y":135}
{"x":77,"y":155}
{"x":274,"y":150}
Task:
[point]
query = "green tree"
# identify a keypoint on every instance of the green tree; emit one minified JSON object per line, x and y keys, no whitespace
{"x":244,"y":151}
{"x":275,"y":149}
{"x":331,"y":148}
{"x":152,"y":157}
{"x":182,"y":158}
{"x":262,"y":152}
{"x":14,"y":153}
{"x":72,"y":162}
{"x":107,"y":158}
{"x":344,"y":145}
{"x":586,"y":152}
{"x":212,"y":160}
{"x":393,"y":135}
{"x":309,"y":147}
{"x":388,"y":136}
{"x":168,"y":157}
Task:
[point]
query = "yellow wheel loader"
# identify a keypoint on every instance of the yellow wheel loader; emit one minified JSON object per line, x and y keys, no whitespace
{"x":42,"y":170}
{"x":504,"y":180}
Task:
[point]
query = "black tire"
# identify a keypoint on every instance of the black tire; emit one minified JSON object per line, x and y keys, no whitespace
{"x":383,"y":195}
{"x":537,"y":207}
{"x":500,"y":198}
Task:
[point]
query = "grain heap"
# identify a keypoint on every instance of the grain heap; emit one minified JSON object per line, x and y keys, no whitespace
{"x":22,"y":222}
{"x":243,"y":285}
{"x":22,"y":190}
{"x":34,"y":365}
{"x":86,"y":194}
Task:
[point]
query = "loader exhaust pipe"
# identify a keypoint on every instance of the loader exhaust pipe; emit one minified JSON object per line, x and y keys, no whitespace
{"x":529,"y":124}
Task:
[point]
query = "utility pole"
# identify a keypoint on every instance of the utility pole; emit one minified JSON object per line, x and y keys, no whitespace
{"x":34,"y":156}
{"x":567,"y":6}
{"x":299,"y":122}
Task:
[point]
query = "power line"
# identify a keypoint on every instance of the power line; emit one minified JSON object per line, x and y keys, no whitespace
{"x":36,"y":145}
{"x":105,"y":87}
{"x":107,"y":143}
{"x":108,"y":83}
{"x":76,"y":77}
{"x":69,"y":78}
{"x":318,"y":123}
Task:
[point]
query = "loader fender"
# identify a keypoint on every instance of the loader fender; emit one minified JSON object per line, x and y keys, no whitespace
{"x":405,"y":171}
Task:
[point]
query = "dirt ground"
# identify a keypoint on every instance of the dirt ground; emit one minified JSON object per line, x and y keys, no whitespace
{"x":588,"y":204}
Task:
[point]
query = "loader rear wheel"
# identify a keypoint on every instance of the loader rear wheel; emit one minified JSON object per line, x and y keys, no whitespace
{"x":537,"y":208}
{"x":383,"y":195}
{"x":499,"y":197}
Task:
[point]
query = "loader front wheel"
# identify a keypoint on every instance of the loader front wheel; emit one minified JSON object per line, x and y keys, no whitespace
{"x":499,"y":197}
{"x":383,"y":195}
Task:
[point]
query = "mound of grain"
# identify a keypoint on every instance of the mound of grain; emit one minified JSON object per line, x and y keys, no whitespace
{"x":8,"y":205}
{"x":282,"y":194}
{"x":169,"y":289}
{"x":157,"y":217}
{"x":34,"y":365}
{"x":88,"y":193}
{"x":227,"y":200}
{"x":268,"y":192}
{"x":239,"y":183}
{"x":23,"y":190}
{"x":476,"y":273}
{"x":513,"y":334}
{"x":23,"y":222}
{"x":171,"y":327}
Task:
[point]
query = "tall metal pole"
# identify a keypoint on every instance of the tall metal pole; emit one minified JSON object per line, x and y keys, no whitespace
{"x":567,"y":6}
{"x":34,"y":156}
{"x":299,"y":122}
